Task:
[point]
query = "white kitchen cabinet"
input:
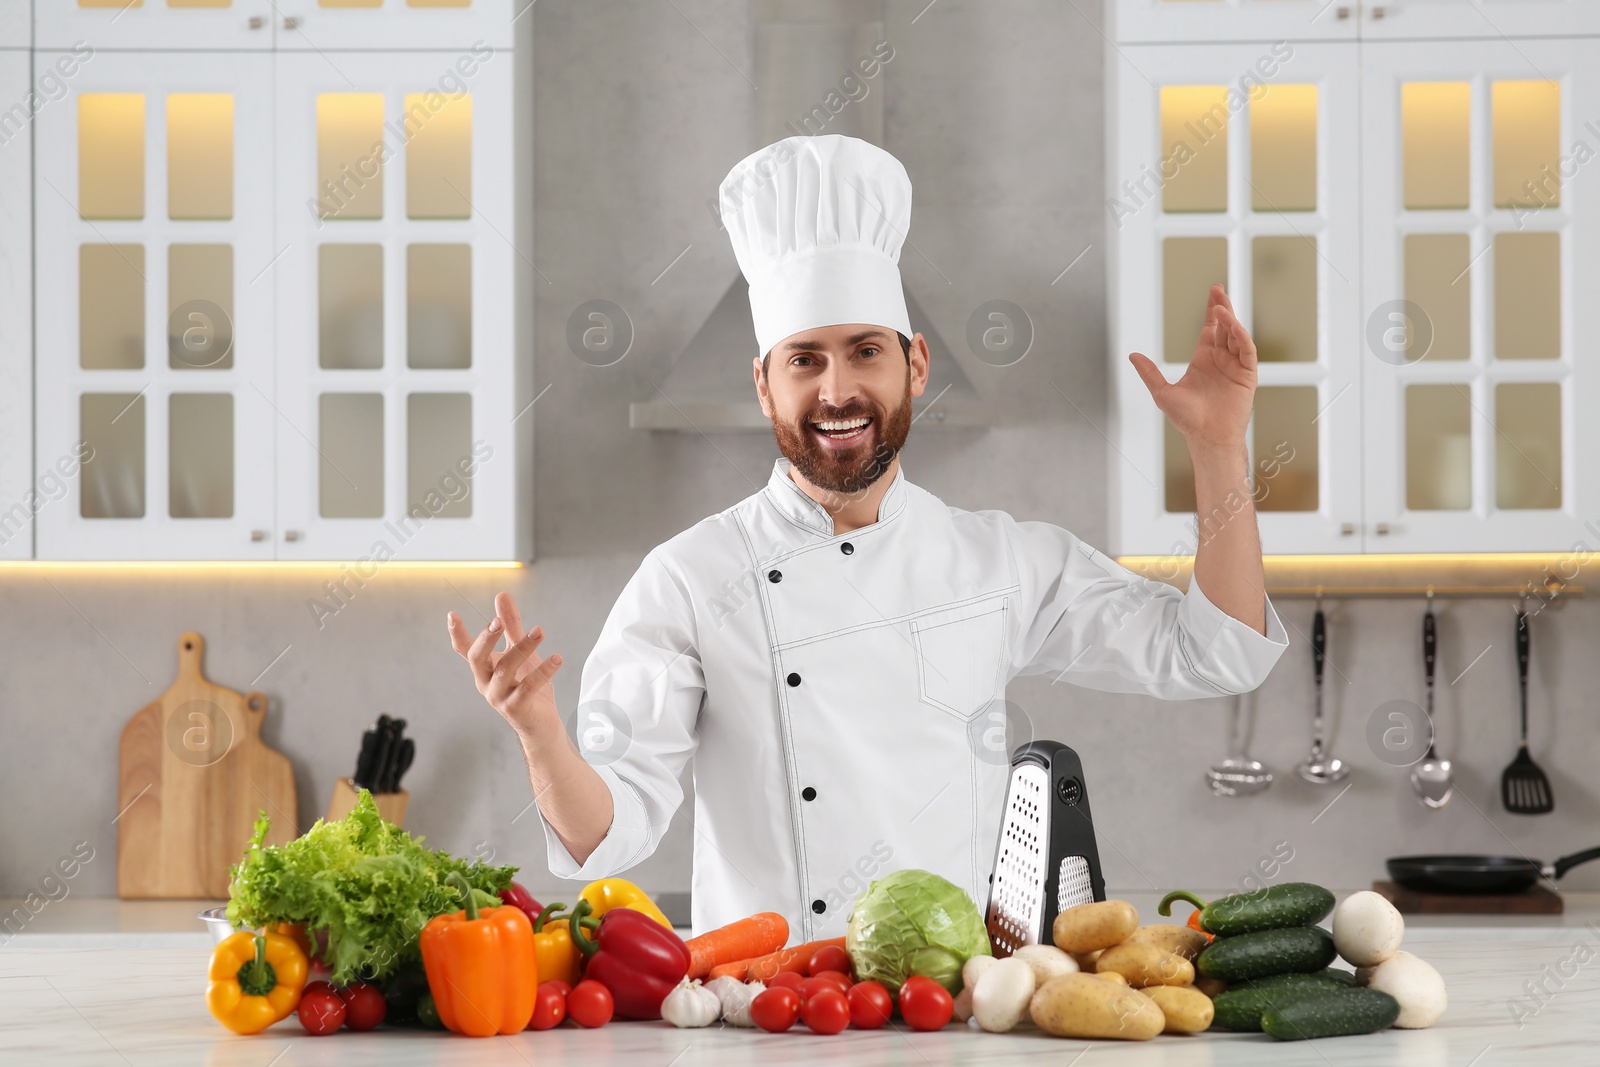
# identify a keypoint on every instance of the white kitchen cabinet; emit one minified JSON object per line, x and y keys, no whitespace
{"x":154,"y":316}
{"x":275,"y":300}
{"x":168,"y":25}
{"x":395,"y":299}
{"x":18,"y":502}
{"x":1479,"y":212}
{"x":1192,"y":21}
{"x":321,"y":25}
{"x":1254,"y":188}
{"x":1451,"y":423}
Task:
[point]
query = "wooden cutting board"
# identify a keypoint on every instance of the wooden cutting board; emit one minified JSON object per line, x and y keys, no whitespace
{"x":192,"y":773}
{"x":1537,"y":900}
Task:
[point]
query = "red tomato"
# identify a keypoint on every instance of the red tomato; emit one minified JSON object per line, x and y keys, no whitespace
{"x":549,"y":1005}
{"x":829,"y":958}
{"x":321,"y":1011}
{"x":870,"y":1005}
{"x":826,"y":1011}
{"x":590,"y":1004}
{"x":812,"y":986}
{"x":786,"y":980}
{"x":838,"y":978}
{"x":775,"y":1009}
{"x":925,"y":1004}
{"x":564,"y":987}
{"x":364,"y":1006}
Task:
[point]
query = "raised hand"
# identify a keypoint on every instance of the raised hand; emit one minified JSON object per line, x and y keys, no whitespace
{"x":1210,"y":404}
{"x":516,"y":682}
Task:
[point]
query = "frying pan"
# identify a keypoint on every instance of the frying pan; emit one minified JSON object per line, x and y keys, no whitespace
{"x":1480,"y":874}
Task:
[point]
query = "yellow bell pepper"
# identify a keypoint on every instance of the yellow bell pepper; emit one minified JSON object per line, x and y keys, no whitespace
{"x":558,"y":958}
{"x":610,"y":893}
{"x":255,"y":980}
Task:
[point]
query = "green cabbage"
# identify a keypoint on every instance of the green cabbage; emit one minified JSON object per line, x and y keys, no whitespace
{"x":914,"y":923}
{"x":361,"y":884}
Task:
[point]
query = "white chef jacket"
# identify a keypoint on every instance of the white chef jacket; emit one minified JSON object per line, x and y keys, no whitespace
{"x":838,"y":690}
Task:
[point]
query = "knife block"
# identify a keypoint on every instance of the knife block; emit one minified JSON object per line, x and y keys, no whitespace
{"x":392,"y":806}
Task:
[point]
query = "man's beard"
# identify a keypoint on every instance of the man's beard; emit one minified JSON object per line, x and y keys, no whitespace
{"x":847,"y":470}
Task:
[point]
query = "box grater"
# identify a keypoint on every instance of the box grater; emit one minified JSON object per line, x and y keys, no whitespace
{"x":1046,"y":859}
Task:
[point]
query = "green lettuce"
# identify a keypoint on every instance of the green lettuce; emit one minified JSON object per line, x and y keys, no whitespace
{"x":914,"y":923}
{"x":361,"y":884}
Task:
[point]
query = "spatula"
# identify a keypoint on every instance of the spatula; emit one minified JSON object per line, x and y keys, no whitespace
{"x":1524,"y":789}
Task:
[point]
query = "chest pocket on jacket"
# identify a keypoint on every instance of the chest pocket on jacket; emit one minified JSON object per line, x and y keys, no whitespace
{"x":961,"y":656}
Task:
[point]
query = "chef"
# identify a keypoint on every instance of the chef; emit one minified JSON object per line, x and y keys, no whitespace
{"x":832,"y":652}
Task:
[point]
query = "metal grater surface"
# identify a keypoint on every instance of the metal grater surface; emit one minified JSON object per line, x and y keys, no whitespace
{"x":1016,"y":904}
{"x":1073,"y":885}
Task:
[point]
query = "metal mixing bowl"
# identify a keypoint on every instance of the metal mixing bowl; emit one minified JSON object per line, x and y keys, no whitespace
{"x":216,"y":920}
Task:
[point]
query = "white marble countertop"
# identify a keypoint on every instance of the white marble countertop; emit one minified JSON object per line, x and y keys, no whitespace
{"x":98,"y":981}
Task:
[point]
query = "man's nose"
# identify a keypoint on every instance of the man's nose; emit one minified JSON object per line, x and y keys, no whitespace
{"x":839,"y":386}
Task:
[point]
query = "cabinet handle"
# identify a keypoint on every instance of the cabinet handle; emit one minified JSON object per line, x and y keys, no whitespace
{"x":291,"y":22}
{"x":1382,"y":529}
{"x":1343,"y":13}
{"x":258,"y":535}
{"x":1379,"y":11}
{"x":1347,"y":529}
{"x":291,"y":535}
{"x":256,"y":22}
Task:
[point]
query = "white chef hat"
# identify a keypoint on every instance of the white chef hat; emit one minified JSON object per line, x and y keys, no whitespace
{"x":816,"y":224}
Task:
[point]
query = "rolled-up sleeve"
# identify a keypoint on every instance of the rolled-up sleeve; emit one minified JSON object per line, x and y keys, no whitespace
{"x":639,"y":700}
{"x":1091,"y":621}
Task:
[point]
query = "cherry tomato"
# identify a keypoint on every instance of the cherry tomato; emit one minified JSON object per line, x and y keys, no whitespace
{"x":925,"y":1004}
{"x":321,"y":1011}
{"x":564,"y":987}
{"x":829,"y":958}
{"x":786,"y":980}
{"x":838,"y":978}
{"x":549,"y":1005}
{"x":775,"y":1009}
{"x":590,"y":1004}
{"x":870,"y":1005}
{"x":812,"y":986}
{"x":826,"y":1011}
{"x":364,"y":1006}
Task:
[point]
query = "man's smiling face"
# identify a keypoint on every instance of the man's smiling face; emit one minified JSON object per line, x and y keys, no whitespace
{"x":839,"y":398}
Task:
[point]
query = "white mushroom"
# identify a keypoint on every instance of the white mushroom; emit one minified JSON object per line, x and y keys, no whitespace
{"x":1417,"y":987}
{"x":1367,"y":929}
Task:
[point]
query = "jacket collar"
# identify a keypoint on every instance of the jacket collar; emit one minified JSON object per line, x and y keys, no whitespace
{"x":792,"y":502}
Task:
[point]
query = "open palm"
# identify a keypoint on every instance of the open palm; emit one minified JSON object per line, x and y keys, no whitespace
{"x":1210,"y":404}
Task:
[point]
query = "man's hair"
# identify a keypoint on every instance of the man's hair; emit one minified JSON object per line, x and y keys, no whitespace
{"x":905,"y":346}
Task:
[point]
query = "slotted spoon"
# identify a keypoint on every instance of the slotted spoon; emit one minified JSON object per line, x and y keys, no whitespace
{"x":1524,"y":789}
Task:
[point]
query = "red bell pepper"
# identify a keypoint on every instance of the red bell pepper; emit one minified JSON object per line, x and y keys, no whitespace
{"x":633,"y":956}
{"x":519,"y":898}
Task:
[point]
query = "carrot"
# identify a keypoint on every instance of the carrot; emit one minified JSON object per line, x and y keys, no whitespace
{"x":758,"y":935}
{"x":762,"y":968}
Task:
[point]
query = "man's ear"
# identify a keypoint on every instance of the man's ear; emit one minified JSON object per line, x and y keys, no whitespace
{"x":919,"y":364}
{"x":762,"y":393}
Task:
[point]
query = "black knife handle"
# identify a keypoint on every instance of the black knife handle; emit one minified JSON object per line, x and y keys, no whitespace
{"x":1319,"y":642}
{"x":1430,"y":644}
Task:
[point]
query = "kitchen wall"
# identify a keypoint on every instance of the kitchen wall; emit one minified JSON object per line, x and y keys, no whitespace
{"x":996,"y":112}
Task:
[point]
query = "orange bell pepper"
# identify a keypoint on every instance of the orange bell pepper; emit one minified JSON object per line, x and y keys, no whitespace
{"x":558,"y":957}
{"x":481,"y":966}
{"x":254,"y":980}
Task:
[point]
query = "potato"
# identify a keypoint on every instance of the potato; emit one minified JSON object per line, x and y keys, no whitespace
{"x":1086,"y":927}
{"x":1047,"y":961}
{"x":1082,"y":1005}
{"x":1086,"y":959}
{"x":1144,"y":965}
{"x":1187,"y":1010}
{"x":1211,"y":986}
{"x":1178,"y":940}
{"x":1111,"y":976}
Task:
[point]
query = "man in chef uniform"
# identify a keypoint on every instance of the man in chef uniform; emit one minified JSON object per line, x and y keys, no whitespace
{"x":831,"y":650}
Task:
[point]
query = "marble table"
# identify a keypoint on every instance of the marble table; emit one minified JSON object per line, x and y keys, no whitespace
{"x":112,"y":982}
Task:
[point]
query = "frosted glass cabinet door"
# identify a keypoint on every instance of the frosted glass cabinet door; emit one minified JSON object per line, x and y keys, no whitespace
{"x":1161,"y":21}
{"x":395,"y":305}
{"x":153,"y":309}
{"x":108,"y":25}
{"x":1255,"y":189}
{"x":18,"y":501}
{"x":320,"y":25}
{"x":1481,"y":265}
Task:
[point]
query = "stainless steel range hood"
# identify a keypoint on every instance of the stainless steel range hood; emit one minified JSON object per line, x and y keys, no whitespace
{"x":808,"y":57}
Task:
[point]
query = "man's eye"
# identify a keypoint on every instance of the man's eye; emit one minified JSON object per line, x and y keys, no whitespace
{"x":870,"y":350}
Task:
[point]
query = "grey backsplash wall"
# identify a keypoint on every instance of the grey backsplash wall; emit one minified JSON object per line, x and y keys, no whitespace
{"x":996,"y":111}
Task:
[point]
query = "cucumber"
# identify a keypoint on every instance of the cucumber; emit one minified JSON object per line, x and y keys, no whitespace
{"x":1330,"y":1013}
{"x":1239,"y":1007}
{"x":1290,"y":904}
{"x":1296,"y":950}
